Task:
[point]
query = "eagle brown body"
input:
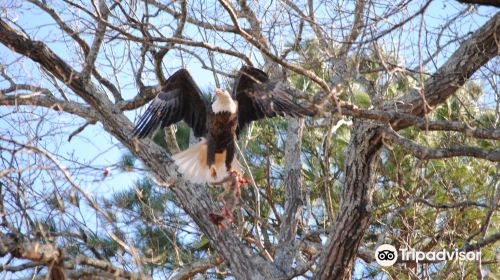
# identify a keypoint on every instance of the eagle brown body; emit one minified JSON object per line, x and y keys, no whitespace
{"x":222,"y":136}
{"x":254,"y":97}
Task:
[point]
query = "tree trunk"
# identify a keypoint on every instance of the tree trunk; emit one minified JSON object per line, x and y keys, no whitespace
{"x":286,"y":251}
{"x":355,"y":208}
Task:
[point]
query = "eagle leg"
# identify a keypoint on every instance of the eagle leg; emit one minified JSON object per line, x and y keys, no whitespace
{"x":229,"y":156}
{"x":211,"y":156}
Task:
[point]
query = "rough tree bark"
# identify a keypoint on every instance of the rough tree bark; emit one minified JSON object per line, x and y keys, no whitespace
{"x":355,"y":207}
{"x":286,"y":250}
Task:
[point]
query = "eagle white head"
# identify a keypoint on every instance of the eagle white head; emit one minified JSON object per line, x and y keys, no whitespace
{"x":223,"y":102}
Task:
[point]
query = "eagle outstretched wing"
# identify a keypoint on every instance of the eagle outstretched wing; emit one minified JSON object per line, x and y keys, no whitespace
{"x":180,"y":99}
{"x":260,"y":98}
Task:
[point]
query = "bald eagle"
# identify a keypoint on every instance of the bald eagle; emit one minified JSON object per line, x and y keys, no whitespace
{"x":254,"y":96}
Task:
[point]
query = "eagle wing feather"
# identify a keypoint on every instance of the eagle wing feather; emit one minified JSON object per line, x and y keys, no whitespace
{"x":180,"y":99}
{"x":258,"y":97}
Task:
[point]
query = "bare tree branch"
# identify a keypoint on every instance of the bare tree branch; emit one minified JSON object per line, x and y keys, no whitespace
{"x":205,"y":25}
{"x":397,"y":119}
{"x":51,"y":102}
{"x":460,"y":204}
{"x":424,"y":153}
{"x":49,"y":255}
{"x":273,"y":57}
{"x":83,"y":45}
{"x":190,"y":270}
{"x":473,"y":53}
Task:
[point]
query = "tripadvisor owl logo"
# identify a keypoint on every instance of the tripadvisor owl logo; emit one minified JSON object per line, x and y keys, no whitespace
{"x":386,"y":255}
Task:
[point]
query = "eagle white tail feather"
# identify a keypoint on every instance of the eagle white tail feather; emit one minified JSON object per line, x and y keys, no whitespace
{"x":192,"y":164}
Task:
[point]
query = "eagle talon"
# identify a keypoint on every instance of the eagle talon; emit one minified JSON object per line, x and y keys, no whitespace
{"x":237,"y":174}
